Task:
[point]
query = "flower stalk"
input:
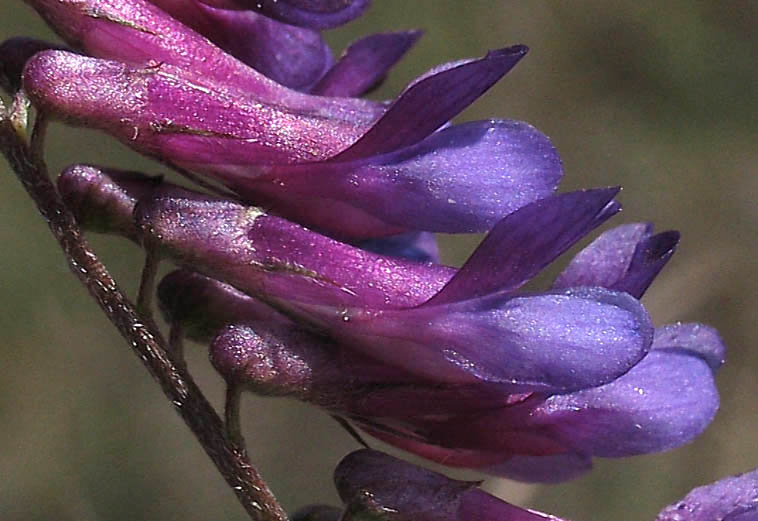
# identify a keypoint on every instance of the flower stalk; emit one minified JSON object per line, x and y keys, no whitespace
{"x":139,"y":331}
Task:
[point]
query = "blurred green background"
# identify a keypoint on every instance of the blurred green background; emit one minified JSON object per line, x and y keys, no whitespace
{"x":660,"y":97}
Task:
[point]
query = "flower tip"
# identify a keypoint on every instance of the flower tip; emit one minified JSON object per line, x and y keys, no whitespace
{"x":663,"y":244}
{"x":513,"y":54}
{"x":36,"y":71}
{"x":260,"y":360}
{"x":414,"y":34}
{"x":615,"y":190}
{"x":695,"y":339}
{"x":612,"y":207}
{"x":519,"y":49}
{"x":410,"y":37}
{"x":66,"y":84}
{"x":230,"y":351}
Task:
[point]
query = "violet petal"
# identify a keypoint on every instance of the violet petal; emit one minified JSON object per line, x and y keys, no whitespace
{"x":526,"y":241}
{"x":599,"y":333}
{"x":372,"y":482}
{"x":542,"y":469}
{"x":663,"y":402}
{"x":160,"y":112}
{"x":412,"y":117}
{"x":464,"y":178}
{"x":625,"y":258}
{"x":698,"y":339}
{"x":284,"y":360}
{"x":264,"y":351}
{"x":606,"y":260}
{"x":649,"y":258}
{"x":316,"y":14}
{"x":730,"y":499}
{"x":365,"y":63}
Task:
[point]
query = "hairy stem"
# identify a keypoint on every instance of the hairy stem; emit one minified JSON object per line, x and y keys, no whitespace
{"x":141,"y":333}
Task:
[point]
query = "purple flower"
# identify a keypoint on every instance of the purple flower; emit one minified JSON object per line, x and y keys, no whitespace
{"x":377,"y":486}
{"x":377,"y":303}
{"x":374,"y":485}
{"x":354,"y":168}
{"x":550,"y":381}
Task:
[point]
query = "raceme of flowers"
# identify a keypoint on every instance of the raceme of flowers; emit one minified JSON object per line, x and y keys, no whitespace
{"x":289,"y":312}
{"x":334,"y":294}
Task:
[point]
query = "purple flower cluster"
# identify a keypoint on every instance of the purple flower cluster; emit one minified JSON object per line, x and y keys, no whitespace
{"x":334,"y":294}
{"x":303,"y":148}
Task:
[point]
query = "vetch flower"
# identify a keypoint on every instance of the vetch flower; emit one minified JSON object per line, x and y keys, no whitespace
{"x":354,"y":168}
{"x":373,"y":485}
